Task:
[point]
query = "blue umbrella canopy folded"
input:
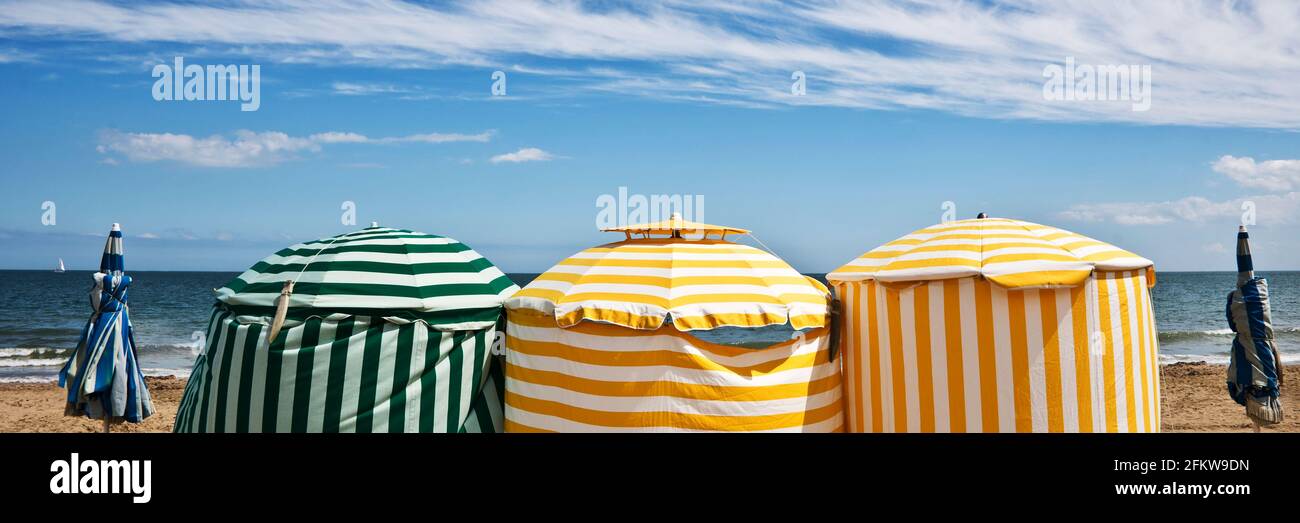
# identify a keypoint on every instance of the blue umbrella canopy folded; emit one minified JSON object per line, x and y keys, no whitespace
{"x":1254,"y":371}
{"x":103,"y":375}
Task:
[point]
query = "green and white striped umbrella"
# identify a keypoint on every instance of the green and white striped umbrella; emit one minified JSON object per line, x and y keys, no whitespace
{"x":387,"y":330}
{"x":378,"y":270}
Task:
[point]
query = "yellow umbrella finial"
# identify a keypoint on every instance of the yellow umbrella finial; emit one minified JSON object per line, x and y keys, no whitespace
{"x":674,"y":226}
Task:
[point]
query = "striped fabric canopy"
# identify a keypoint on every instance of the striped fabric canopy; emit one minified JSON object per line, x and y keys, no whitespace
{"x":103,"y":375}
{"x":703,"y":284}
{"x":967,"y":355}
{"x":596,"y":377}
{"x":432,"y":278}
{"x":388,"y":330}
{"x":1012,"y":253}
{"x":351,"y":374}
{"x":1254,"y":377}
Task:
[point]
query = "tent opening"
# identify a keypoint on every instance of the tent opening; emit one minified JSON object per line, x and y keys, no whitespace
{"x":749,"y":337}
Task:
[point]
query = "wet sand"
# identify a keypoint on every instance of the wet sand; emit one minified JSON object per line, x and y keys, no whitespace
{"x":1193,"y":394}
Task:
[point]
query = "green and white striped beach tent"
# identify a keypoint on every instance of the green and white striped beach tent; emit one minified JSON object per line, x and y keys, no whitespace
{"x":387,"y":330}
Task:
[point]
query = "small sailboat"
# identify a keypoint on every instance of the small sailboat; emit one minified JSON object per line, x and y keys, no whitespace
{"x":60,"y":268}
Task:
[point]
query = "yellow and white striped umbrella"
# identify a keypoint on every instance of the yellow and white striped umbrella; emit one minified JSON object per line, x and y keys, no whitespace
{"x":702,"y":284}
{"x":677,"y":226}
{"x":596,"y":377}
{"x":967,"y":355}
{"x":995,"y":325}
{"x":1012,"y":253}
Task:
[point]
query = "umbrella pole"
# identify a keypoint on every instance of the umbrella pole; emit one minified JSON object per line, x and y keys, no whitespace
{"x":106,"y":425}
{"x":1256,"y":424}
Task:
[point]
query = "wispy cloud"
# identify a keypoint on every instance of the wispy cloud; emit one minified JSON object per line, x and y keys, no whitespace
{"x":1191,"y":208}
{"x":981,"y":59}
{"x":527,"y":154}
{"x":348,"y":137}
{"x":1280,"y":207}
{"x":339,"y":137}
{"x":10,"y":55}
{"x":446,"y":137}
{"x":246,"y":148}
{"x":359,"y":89}
{"x":181,"y":234}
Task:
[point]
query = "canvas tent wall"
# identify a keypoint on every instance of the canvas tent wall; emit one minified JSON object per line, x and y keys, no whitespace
{"x":600,"y":343}
{"x":996,"y":325}
{"x":387,"y":330}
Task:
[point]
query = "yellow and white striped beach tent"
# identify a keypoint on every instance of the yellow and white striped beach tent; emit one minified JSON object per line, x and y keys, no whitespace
{"x":600,"y":341}
{"x":997,"y":325}
{"x":386,"y":330}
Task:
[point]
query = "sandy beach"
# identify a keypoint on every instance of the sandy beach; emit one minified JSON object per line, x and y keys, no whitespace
{"x":1193,"y":395}
{"x":38,"y":407}
{"x":1194,"y":398}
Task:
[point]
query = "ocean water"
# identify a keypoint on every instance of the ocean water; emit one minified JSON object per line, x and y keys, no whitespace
{"x":44,"y":312}
{"x":1193,"y":325}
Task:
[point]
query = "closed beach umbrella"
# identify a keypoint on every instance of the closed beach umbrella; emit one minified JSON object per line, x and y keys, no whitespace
{"x":601,"y":341}
{"x":385,"y":330}
{"x":103,"y":375}
{"x":1254,"y":372}
{"x":998,"y":325}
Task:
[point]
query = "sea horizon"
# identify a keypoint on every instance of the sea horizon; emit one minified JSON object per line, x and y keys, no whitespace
{"x":237,"y":271}
{"x":170,"y":310}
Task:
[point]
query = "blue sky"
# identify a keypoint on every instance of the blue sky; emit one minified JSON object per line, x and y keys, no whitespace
{"x":907,"y":105}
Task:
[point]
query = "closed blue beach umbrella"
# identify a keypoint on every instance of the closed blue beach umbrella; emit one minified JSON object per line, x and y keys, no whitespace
{"x":103,"y":375}
{"x":1254,"y":375}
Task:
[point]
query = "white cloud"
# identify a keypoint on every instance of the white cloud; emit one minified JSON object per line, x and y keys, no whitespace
{"x":357,"y":89}
{"x":444,"y":137}
{"x":245,"y":148}
{"x":1273,"y":175}
{"x":527,"y":154}
{"x":1283,"y":206}
{"x":8,"y":56}
{"x":147,"y":236}
{"x":347,"y":137}
{"x":1215,"y":248}
{"x":1269,"y":208}
{"x":981,"y":59}
{"x":339,"y":137}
